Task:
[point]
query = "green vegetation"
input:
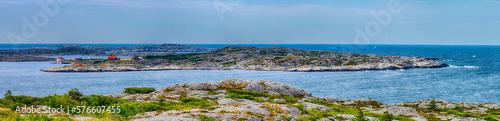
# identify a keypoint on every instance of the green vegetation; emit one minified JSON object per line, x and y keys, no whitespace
{"x":360,"y":116}
{"x":11,"y":116}
{"x":8,"y":93}
{"x":340,"y":109}
{"x":74,"y":98}
{"x":130,"y":108}
{"x":138,"y":90}
{"x":387,"y":117}
{"x":253,"y":114}
{"x":432,"y":106}
{"x":196,"y":102}
{"x":229,"y":64}
{"x":75,"y":94}
{"x":457,"y":110}
{"x":172,"y":56}
{"x":242,"y":94}
{"x":205,"y":118}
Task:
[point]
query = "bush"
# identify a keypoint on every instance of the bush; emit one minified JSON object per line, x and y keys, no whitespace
{"x":205,"y":118}
{"x":75,"y":94}
{"x":458,"y":113}
{"x":98,"y":100}
{"x":490,"y":119}
{"x":8,"y":93}
{"x":24,"y":100}
{"x":11,"y":116}
{"x":138,"y":90}
{"x":56,"y":100}
{"x":133,"y":108}
{"x":360,"y":116}
{"x":196,"y":102}
{"x":432,"y":106}
{"x":6,"y":103}
{"x":301,"y":108}
{"x":387,"y":116}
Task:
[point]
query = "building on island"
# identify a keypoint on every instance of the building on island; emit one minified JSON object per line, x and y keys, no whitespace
{"x":59,"y":59}
{"x":125,"y":59}
{"x":112,"y":58}
{"x":78,"y":59}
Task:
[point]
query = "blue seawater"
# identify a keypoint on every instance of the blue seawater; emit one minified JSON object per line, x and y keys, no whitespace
{"x":474,"y":76}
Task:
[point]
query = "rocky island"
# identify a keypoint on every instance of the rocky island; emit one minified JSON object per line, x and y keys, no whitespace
{"x":253,"y":58}
{"x":244,"y":100}
{"x":39,"y":53}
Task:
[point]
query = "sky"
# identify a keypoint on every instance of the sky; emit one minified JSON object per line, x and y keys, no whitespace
{"x":443,"y":22}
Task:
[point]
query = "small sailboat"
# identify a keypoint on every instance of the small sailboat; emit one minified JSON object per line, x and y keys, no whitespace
{"x":473,"y":56}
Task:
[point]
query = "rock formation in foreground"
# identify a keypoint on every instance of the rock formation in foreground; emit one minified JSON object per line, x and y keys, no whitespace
{"x":254,"y":100}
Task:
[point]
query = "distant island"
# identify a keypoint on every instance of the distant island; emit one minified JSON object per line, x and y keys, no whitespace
{"x":38,"y":53}
{"x":251,"y":58}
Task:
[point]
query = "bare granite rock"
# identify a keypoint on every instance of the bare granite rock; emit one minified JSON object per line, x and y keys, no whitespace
{"x":402,"y":111}
{"x":308,"y":106}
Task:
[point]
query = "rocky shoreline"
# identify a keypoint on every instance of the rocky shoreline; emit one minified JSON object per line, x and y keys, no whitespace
{"x":260,"y":59}
{"x":258,"y":100}
{"x":237,"y":100}
{"x":302,"y":69}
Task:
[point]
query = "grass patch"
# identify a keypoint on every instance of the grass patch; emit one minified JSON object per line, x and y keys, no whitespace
{"x":253,"y":114}
{"x":126,"y":107}
{"x":340,"y":109}
{"x":12,"y":116}
{"x":205,"y":118}
{"x":138,"y":90}
{"x":196,"y":102}
{"x":242,"y":94}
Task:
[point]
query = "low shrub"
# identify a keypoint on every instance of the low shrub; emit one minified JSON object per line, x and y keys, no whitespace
{"x":138,"y":90}
{"x":133,"y":108}
{"x":205,"y":118}
{"x":25,"y":100}
{"x":196,"y":102}
{"x":98,"y":100}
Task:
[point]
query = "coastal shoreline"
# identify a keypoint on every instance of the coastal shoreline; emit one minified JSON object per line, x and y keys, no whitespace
{"x":262,"y":97}
{"x":313,"y":69}
{"x":254,"y":100}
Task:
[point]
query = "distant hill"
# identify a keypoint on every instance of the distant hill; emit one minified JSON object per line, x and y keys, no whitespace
{"x":101,"y":50}
{"x":280,"y":58}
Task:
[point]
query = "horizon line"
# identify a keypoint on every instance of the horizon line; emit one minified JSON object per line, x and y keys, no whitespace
{"x":248,"y":44}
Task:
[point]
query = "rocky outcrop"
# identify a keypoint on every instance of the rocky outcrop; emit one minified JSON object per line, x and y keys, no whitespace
{"x":402,"y":111}
{"x":274,"y":101}
{"x":270,"y":87}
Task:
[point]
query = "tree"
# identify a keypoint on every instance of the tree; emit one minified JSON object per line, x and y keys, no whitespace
{"x":360,"y":116}
{"x":387,"y":116}
{"x":432,"y":106}
{"x":74,"y":94}
{"x":8,"y":93}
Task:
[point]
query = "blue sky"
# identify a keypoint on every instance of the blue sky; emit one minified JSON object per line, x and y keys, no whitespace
{"x":474,"y":22}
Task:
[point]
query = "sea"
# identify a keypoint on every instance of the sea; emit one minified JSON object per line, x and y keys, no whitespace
{"x":473,"y":75}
